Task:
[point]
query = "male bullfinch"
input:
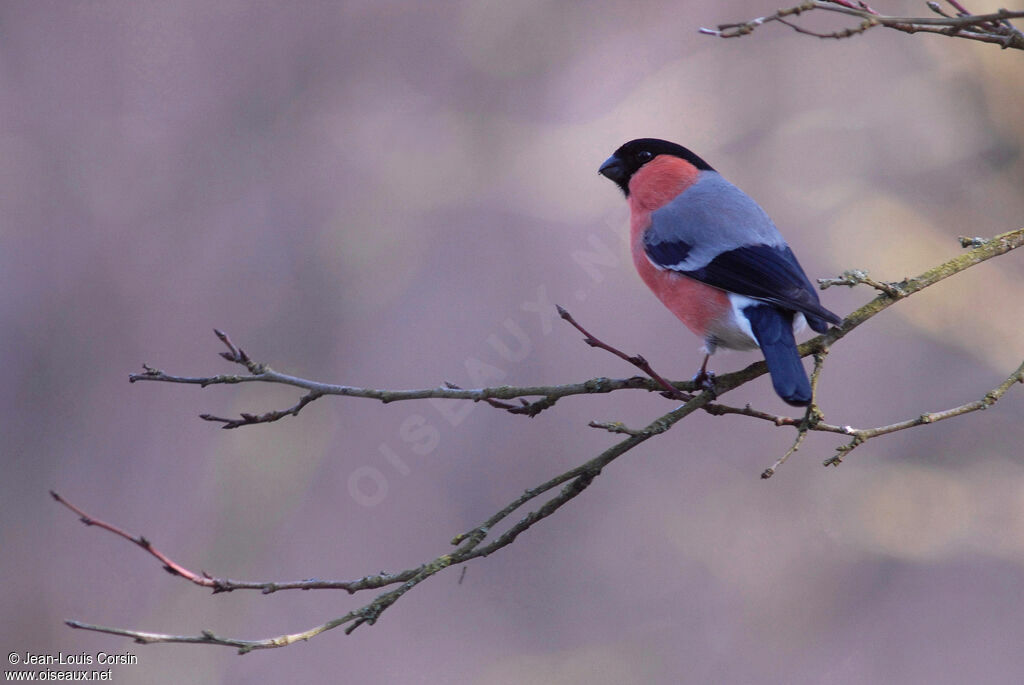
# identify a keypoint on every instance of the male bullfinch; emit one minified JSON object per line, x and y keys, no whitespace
{"x":715,"y":259}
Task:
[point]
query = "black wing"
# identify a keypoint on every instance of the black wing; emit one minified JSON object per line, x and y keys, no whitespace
{"x":762,"y":272}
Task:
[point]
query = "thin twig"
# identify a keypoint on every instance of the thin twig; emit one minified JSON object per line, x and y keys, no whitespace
{"x":267,"y":417}
{"x":169,"y":565}
{"x":994,"y":27}
{"x":811,"y":418}
{"x":863,"y":435}
{"x":854,"y":277}
{"x":204,"y":579}
{"x":615,"y":427}
{"x":636,"y":360}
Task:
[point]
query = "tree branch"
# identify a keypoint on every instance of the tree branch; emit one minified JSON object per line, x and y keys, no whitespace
{"x":483,"y":539}
{"x":987,"y":28}
{"x":469,"y":547}
{"x":862,"y":436}
{"x":890,"y":293}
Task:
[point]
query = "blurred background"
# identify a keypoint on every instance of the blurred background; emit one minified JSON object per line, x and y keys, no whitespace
{"x":394,"y":195}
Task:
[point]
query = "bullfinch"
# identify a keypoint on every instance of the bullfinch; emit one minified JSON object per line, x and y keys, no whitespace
{"x":715,"y":259}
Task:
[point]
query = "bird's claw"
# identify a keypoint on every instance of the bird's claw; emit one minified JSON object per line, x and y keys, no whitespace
{"x":705,"y":380}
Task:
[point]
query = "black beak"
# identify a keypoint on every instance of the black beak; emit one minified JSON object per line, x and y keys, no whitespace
{"x":614,"y":170}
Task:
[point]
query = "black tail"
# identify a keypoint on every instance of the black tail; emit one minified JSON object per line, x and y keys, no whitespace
{"x":773,"y":328}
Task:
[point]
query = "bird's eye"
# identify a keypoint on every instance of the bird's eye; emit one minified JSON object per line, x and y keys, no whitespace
{"x":644,"y":155}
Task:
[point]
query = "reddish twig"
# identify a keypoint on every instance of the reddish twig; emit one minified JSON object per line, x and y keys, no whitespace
{"x":204,"y":579}
{"x":172,"y":567}
{"x":636,"y":360}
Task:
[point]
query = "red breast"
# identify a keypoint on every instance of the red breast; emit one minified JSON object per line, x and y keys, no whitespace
{"x":653,"y":186}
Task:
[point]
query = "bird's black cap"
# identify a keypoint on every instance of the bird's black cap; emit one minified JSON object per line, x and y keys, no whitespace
{"x":621,"y":166}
